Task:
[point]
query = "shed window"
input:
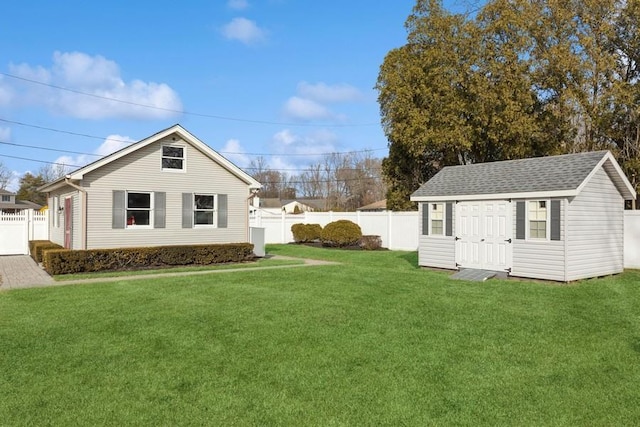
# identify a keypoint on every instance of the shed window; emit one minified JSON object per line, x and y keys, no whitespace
{"x":173,"y":158}
{"x":538,"y":219}
{"x":437,"y":219}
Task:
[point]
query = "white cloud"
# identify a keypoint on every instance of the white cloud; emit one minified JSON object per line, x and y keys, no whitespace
{"x":5,"y":134}
{"x":6,"y":92}
{"x":311,"y":145}
{"x":238,"y":4}
{"x":244,"y":30}
{"x":233,"y":151}
{"x":100,"y":83}
{"x":110,"y":145}
{"x":306,"y":109}
{"x":322,"y":92}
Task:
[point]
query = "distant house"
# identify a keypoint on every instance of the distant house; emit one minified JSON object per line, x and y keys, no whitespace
{"x":379,"y":206}
{"x":557,"y":218}
{"x":9,"y":204}
{"x":278,"y":206}
{"x":167,"y":189}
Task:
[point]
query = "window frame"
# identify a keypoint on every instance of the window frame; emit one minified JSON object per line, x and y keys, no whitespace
{"x":134,"y":226}
{"x":6,"y":198}
{"x":214,"y":210}
{"x":547,"y":220}
{"x":443,"y":212}
{"x":183,"y":158}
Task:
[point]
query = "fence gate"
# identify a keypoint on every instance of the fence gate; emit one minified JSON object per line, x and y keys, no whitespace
{"x":16,"y":229}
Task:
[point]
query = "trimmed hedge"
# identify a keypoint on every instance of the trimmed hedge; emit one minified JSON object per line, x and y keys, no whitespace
{"x":37,"y":248}
{"x":303,"y":233}
{"x":63,"y":261}
{"x":341,"y":233}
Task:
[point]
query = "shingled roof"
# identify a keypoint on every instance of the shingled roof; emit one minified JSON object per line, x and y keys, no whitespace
{"x":561,"y":175}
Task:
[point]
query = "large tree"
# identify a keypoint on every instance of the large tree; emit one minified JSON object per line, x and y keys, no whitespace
{"x":28,"y":190}
{"x":521,"y":78}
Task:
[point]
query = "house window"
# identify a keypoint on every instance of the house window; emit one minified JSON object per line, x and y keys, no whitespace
{"x":204,"y":209}
{"x":138,"y":209}
{"x":173,"y":158}
{"x":538,"y":219}
{"x":437,"y":219}
{"x":6,"y":198}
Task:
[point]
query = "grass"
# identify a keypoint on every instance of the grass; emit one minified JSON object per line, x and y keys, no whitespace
{"x":372,"y":341}
{"x":264,"y":262}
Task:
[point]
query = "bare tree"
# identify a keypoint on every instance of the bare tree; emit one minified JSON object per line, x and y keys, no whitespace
{"x":5,"y":176}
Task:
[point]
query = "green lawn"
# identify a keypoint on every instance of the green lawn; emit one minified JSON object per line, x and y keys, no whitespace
{"x":372,"y":341}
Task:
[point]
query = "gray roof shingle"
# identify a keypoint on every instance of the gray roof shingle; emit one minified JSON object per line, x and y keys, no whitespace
{"x":554,"y":173}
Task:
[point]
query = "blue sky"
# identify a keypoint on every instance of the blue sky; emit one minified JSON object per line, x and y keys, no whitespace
{"x":285,"y":79}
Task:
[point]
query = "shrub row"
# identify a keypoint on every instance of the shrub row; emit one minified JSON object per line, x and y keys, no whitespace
{"x":62,"y":261}
{"x":37,"y":248}
{"x":304,"y":233}
{"x":339,"y":233}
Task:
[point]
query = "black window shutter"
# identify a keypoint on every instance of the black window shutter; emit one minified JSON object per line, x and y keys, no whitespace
{"x":222,"y":211}
{"x":520,"y":220}
{"x":187,"y":210}
{"x":449,"y":219}
{"x":117,"y":215}
{"x":159,"y":209}
{"x":425,"y":219}
{"x":555,"y":220}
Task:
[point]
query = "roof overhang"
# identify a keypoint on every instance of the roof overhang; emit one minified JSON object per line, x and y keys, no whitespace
{"x":501,"y":196}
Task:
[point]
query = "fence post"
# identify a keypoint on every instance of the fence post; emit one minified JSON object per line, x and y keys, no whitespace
{"x":390,"y":228}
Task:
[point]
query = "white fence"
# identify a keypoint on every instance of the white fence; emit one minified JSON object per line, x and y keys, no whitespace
{"x":398,"y":230}
{"x":16,"y":229}
{"x":632,"y":239}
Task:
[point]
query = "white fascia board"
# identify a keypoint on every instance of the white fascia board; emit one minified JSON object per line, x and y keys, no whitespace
{"x":502,"y":196}
{"x":630,"y":191}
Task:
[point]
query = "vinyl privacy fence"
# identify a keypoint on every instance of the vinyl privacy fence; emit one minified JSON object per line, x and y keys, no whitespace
{"x":399,"y":230}
{"x":16,"y":229}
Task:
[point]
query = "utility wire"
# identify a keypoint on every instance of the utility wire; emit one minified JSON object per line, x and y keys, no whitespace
{"x":189,"y":113}
{"x":102,"y":138}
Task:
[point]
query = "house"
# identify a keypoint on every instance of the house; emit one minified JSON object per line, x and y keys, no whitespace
{"x":167,"y":189}
{"x":379,"y":206}
{"x":277,"y":206}
{"x":9,"y":204}
{"x":556,"y":218}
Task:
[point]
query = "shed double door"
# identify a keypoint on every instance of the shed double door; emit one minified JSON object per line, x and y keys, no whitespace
{"x":484,"y":234}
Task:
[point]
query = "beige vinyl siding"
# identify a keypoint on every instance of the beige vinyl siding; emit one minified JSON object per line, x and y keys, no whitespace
{"x":56,"y":234}
{"x":540,"y":259}
{"x":437,"y":251}
{"x":596,"y":230}
{"x":142,"y":171}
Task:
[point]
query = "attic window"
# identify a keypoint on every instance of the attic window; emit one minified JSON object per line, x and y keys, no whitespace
{"x":173,"y":158}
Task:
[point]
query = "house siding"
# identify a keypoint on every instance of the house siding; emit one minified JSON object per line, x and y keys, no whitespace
{"x":141,"y":171}
{"x":540,"y":259}
{"x":56,"y":234}
{"x":596,"y":230}
{"x":440,"y":251}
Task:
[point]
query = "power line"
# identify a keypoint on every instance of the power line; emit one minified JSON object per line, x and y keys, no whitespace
{"x":39,"y":161}
{"x":57,"y":150}
{"x":102,"y":138}
{"x":189,"y":113}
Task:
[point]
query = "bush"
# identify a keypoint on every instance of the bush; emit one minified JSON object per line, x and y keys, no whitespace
{"x":63,"y":261}
{"x":341,"y":233}
{"x":37,"y":248}
{"x":303,"y":233}
{"x":370,"y":243}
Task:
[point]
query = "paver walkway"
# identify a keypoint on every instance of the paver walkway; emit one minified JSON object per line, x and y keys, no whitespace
{"x":21,"y":271}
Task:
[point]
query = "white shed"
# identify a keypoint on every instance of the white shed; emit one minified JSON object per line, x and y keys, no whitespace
{"x":555,"y":218}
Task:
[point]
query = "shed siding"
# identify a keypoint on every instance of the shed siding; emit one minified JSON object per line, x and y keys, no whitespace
{"x":596,"y":230}
{"x":141,"y":171}
{"x":436,"y":251}
{"x":540,"y":259}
